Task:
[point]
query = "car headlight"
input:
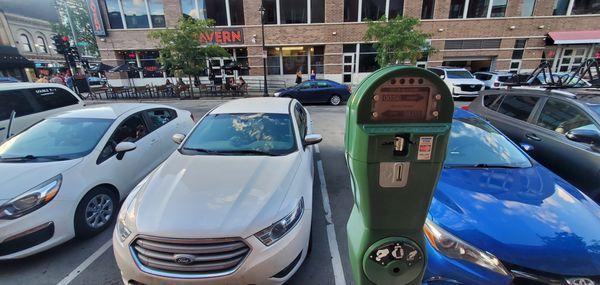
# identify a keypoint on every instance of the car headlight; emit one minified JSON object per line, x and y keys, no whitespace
{"x":453,"y":247}
{"x":279,"y":229}
{"x":31,"y":200}
{"x":122,"y":230}
{"x":277,"y":94}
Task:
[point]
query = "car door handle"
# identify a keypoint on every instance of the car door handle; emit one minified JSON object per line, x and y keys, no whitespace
{"x":533,"y":137}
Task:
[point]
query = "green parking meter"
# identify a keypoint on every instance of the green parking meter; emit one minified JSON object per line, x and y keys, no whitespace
{"x":397,"y":129}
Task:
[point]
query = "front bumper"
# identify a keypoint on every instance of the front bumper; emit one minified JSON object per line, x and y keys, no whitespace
{"x":259,"y":267}
{"x":37,"y":231}
{"x":458,"y":92}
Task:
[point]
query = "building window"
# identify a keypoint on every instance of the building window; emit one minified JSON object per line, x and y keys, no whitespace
{"x":472,"y":44}
{"x":149,"y":64}
{"x":457,"y":9}
{"x":396,"y":8}
{"x":288,"y":60}
{"x":131,"y":58}
{"x":236,"y":9}
{"x":427,"y":9}
{"x":582,"y":7}
{"x":527,"y":7}
{"x":560,"y":7}
{"x":223,"y":12}
{"x":271,"y":11}
{"x":317,"y":59}
{"x":367,"y":58}
{"x":571,"y":58}
{"x":293,"y":12}
{"x":517,"y":55}
{"x":114,"y":14}
{"x":41,"y":44}
{"x":294,"y":59}
{"x":241,"y":57}
{"x":317,"y":11}
{"x":25,"y":43}
{"x":136,"y":15}
{"x":217,"y":11}
{"x":498,"y":8}
{"x":477,"y":8}
{"x":274,"y":61}
{"x":422,"y":62}
{"x":350,"y":10}
{"x":373,"y":9}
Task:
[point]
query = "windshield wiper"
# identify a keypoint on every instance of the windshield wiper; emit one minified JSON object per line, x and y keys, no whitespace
{"x":33,"y":157}
{"x":201,"y":150}
{"x":480,"y":165}
{"x":248,"y":151}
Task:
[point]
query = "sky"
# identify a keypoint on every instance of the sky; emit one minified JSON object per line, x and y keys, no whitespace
{"x":39,"y":9}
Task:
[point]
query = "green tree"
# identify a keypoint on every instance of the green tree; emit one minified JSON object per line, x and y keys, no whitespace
{"x":78,"y":13}
{"x":181,"y":50}
{"x":398,"y":40}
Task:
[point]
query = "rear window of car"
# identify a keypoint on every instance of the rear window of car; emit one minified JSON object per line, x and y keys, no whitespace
{"x":483,"y":76}
{"x":34,"y":100}
{"x":504,"y":78}
{"x":492,"y":101}
{"x":518,"y":107}
{"x":459,"y":74}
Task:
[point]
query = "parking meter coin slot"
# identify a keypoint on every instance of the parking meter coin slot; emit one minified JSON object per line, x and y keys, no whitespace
{"x":393,"y":174}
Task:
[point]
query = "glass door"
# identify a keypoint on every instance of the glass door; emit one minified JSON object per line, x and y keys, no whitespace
{"x":571,"y":58}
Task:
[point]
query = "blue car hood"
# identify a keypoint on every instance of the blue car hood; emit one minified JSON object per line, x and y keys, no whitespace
{"x":527,"y":217}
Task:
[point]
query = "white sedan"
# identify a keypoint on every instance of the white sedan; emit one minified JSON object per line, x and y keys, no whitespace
{"x":232,"y":205}
{"x":65,"y":176}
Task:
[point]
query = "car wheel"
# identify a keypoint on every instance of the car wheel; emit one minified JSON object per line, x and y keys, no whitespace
{"x":335,"y":100}
{"x":95,"y":212}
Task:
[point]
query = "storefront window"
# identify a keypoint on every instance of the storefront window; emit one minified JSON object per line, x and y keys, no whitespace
{"x":478,"y":8}
{"x":293,"y":11}
{"x":373,"y":9}
{"x":217,"y":10}
{"x":317,"y":11}
{"x":273,"y":61}
{"x":560,"y":7}
{"x":136,"y":15}
{"x":396,"y":8}
{"x":317,"y":58}
{"x":236,"y":8}
{"x":130,"y":59}
{"x":241,"y":56}
{"x":527,"y":8}
{"x":427,"y":9}
{"x":367,"y":58}
{"x":457,"y":8}
{"x":114,"y":14}
{"x":294,"y":59}
{"x":270,"y":11}
{"x":350,"y":10}
{"x":582,"y":7}
{"x":157,"y":13}
{"x":150,"y":65}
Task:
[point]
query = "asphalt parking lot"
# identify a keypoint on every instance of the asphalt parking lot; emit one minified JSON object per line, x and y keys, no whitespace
{"x":92,"y":262}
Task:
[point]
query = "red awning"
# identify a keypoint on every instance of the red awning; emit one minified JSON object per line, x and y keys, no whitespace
{"x":575,"y":37}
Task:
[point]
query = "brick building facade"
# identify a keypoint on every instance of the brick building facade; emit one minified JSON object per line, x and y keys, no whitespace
{"x":327,"y":35}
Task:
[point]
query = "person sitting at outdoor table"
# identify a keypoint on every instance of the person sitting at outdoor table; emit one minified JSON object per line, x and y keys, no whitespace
{"x":228,"y":84}
{"x":241,"y":83}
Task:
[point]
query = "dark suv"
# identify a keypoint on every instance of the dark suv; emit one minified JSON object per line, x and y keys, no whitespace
{"x":559,"y":128}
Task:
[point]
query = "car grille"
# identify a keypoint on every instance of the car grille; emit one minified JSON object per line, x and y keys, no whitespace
{"x":525,"y":276}
{"x":470,"y":87}
{"x":194,"y":258}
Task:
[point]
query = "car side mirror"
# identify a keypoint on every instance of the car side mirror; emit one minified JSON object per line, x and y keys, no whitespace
{"x":124,"y":147}
{"x":178,"y":138}
{"x":526,"y":147}
{"x":312,"y":139}
{"x":584,"y":136}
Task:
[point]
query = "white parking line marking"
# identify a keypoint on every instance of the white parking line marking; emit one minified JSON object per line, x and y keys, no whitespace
{"x":336,"y":261}
{"x":86,"y":263}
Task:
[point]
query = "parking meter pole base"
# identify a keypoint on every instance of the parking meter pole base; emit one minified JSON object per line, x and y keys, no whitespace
{"x":397,"y":128}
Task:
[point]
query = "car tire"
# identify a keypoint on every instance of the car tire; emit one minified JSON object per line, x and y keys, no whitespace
{"x":95,"y":212}
{"x":335,"y":100}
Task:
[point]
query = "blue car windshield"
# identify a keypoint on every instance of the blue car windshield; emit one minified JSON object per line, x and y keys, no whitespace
{"x":242,"y":134}
{"x":459,"y":74}
{"x":55,"y":139}
{"x":474,"y":143}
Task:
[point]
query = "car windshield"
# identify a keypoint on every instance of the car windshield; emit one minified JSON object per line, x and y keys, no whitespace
{"x":55,"y":139}
{"x":474,"y":143}
{"x":596,"y":108}
{"x":504,"y":78}
{"x":459,"y":74}
{"x":242,"y":134}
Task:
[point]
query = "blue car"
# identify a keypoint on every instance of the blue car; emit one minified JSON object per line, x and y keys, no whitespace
{"x":317,"y":91}
{"x":499,"y":217}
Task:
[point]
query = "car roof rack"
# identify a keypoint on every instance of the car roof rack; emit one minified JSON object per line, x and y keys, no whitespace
{"x":589,"y":67}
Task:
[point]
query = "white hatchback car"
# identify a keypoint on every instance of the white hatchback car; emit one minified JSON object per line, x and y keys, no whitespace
{"x":232,"y":205}
{"x":33,"y":102}
{"x":66,"y":175}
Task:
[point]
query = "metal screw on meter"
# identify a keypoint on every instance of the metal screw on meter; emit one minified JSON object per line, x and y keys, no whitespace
{"x":397,"y":129}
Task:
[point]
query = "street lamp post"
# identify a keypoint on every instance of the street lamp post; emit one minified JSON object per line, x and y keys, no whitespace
{"x":262,"y":26}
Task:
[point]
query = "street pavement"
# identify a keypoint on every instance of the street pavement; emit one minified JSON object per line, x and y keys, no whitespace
{"x":92,"y":261}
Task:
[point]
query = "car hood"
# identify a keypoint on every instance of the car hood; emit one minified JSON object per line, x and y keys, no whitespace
{"x":527,"y":217}
{"x":465,"y":81}
{"x":16,"y":178}
{"x":205,"y":196}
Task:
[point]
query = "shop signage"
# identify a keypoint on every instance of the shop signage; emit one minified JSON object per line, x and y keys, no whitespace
{"x":226,"y":36}
{"x":96,"y":18}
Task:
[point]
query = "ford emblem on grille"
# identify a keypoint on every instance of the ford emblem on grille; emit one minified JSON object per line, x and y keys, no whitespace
{"x":184,"y":258}
{"x":580,"y":281}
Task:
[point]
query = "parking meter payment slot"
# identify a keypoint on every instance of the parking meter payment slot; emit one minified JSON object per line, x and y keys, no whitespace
{"x":397,"y":129}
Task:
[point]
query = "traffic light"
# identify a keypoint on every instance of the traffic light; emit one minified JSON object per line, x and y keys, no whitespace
{"x":61,"y":43}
